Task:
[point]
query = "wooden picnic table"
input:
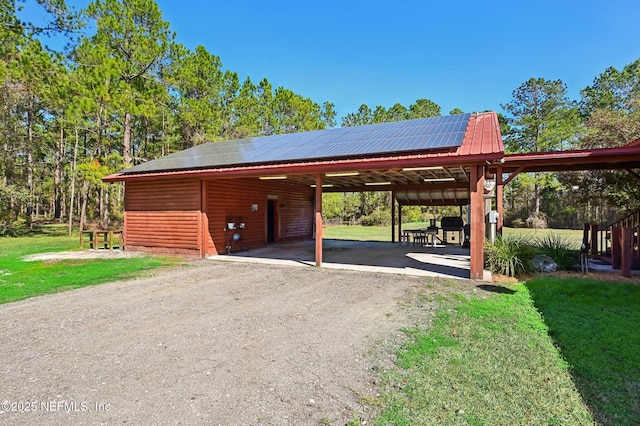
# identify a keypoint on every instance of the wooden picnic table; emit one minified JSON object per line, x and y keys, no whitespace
{"x":103,"y":237}
{"x":423,"y":236}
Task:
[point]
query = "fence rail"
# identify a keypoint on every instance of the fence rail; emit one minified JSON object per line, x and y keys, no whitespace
{"x":602,"y":237}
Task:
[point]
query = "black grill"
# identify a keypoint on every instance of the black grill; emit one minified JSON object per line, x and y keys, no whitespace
{"x":451,"y":224}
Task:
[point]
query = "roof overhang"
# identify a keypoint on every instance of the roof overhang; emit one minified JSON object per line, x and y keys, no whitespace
{"x":399,"y":162}
{"x":624,"y":157}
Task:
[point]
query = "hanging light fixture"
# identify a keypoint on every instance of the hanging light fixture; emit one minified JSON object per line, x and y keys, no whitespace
{"x":339,"y":174}
{"x":489,"y":181}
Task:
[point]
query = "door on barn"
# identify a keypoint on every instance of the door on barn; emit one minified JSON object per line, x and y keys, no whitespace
{"x":271,"y":221}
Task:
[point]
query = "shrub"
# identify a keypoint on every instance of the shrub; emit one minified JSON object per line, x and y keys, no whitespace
{"x":509,"y":255}
{"x":537,"y":222}
{"x":518,"y":223}
{"x":376,"y":218}
{"x":562,"y":250}
{"x":411,"y":214}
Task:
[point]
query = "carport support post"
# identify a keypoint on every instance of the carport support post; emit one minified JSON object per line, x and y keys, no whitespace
{"x":626,"y":251}
{"x":477,"y":221}
{"x":499,"y":200}
{"x":393,"y":216}
{"x":318,"y":219}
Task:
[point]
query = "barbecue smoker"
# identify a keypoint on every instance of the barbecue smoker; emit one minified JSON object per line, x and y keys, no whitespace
{"x":453,"y":224}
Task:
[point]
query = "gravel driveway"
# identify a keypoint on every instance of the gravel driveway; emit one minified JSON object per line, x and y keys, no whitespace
{"x":205,"y":343}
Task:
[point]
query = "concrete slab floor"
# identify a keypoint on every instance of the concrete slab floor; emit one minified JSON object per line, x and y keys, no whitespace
{"x":445,"y":261}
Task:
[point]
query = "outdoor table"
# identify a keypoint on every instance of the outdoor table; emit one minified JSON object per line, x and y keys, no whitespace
{"x":423,"y":236}
{"x":107,"y":238}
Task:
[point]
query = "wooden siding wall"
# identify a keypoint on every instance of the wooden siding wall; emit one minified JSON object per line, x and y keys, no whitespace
{"x":163,"y":215}
{"x":233,"y":198}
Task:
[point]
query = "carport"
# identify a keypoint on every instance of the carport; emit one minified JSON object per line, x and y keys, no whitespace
{"x":450,"y":261}
{"x":269,"y":189}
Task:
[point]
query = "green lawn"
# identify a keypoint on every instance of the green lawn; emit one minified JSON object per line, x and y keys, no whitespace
{"x":547,"y":352}
{"x":20,"y":279}
{"x":595,"y":326}
{"x":383,"y":233}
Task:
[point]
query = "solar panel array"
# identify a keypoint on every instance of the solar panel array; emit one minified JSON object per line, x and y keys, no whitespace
{"x":346,"y":142}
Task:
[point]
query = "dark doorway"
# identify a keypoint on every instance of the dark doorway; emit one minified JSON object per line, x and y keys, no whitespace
{"x":271,"y":221}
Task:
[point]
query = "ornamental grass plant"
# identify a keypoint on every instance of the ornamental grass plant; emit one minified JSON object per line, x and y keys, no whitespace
{"x":561,"y":249}
{"x":510,"y":255}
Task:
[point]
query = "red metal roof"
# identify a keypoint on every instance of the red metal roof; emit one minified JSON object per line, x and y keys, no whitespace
{"x":624,"y":157}
{"x":482,"y":137}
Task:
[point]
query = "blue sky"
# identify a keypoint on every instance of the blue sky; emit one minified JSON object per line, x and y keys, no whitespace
{"x":465,"y":54}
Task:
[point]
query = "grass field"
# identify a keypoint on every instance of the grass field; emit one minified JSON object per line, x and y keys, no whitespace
{"x":20,"y":279}
{"x":547,"y":352}
{"x":383,"y":233}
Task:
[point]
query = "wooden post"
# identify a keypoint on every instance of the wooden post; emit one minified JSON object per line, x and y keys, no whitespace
{"x":586,"y":228}
{"x":399,"y":219}
{"x":616,"y":252}
{"x":499,"y":200}
{"x":476,"y":190}
{"x":594,"y":239}
{"x":626,"y":252}
{"x":318,"y":219}
{"x":110,"y":240}
{"x":393,"y":216}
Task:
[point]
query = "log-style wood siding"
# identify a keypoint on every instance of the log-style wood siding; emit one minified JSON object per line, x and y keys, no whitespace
{"x":172,"y":215}
{"x":162,"y":215}
{"x":233,"y":198}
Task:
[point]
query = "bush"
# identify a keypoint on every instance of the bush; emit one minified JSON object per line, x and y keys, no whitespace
{"x":509,"y":255}
{"x":512,"y":256}
{"x":518,"y":223}
{"x":377,"y":218}
{"x":537,"y":222}
{"x":411,"y":214}
{"x":562,"y":250}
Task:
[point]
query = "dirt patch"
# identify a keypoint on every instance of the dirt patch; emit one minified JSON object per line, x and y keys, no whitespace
{"x":84,"y":254}
{"x":613,"y":277}
{"x":206,"y":343}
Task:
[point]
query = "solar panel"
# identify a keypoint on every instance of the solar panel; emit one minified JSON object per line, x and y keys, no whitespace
{"x":374,"y":139}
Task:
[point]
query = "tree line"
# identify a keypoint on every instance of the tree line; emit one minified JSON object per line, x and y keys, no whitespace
{"x":123,"y":91}
{"x":539,"y":117}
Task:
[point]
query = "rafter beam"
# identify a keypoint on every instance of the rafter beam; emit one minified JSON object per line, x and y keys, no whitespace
{"x":514,"y":174}
{"x":411,"y":187}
